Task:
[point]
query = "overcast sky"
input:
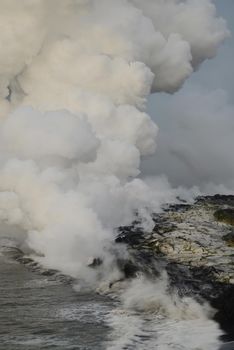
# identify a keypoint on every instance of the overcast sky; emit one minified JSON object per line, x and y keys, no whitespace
{"x":219,"y":72}
{"x":188,"y":150}
{"x":215,"y":73}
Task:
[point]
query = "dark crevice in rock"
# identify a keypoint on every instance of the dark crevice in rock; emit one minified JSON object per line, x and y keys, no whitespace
{"x":194,"y":248}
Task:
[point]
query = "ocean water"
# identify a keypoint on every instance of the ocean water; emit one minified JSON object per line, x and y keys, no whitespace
{"x":43,"y":312}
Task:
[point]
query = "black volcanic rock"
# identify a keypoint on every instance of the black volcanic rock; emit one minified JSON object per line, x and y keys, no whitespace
{"x":194,"y":243}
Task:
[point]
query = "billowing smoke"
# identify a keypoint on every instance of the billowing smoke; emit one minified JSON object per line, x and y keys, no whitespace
{"x":74,"y":79}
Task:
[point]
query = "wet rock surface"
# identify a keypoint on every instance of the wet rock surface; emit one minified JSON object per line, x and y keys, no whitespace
{"x":192,"y":242}
{"x":195,"y":244}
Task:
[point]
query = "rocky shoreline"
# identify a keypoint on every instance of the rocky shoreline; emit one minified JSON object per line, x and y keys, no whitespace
{"x":195,"y":244}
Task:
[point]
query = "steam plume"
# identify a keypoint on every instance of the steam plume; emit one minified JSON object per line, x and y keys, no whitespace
{"x":74,"y":79}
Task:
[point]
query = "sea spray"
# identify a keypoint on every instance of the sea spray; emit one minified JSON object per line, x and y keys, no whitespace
{"x":152,"y":317}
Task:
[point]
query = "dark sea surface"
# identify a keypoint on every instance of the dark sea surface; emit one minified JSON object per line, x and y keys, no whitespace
{"x":41,"y":312}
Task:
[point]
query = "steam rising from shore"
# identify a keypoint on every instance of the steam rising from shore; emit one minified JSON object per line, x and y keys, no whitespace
{"x":74,"y":79}
{"x":168,"y":322}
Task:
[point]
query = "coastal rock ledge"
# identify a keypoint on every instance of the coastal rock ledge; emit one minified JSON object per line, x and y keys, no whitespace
{"x":195,"y":244}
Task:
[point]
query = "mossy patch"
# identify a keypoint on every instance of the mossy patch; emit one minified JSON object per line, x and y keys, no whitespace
{"x":225,"y":215}
{"x":230,"y":244}
{"x":229,"y":239}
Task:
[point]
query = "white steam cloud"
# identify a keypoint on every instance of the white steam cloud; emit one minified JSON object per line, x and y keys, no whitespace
{"x":74,"y":79}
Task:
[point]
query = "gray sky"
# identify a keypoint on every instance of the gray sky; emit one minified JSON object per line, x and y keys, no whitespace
{"x":215,"y":73}
{"x":196,"y":124}
{"x":219,"y":72}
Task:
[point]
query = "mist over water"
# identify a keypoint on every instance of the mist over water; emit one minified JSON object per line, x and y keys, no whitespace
{"x":74,"y":81}
{"x":48,"y":313}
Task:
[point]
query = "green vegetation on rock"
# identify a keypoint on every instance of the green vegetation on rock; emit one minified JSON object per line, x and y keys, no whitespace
{"x":225,"y":215}
{"x":229,"y":238}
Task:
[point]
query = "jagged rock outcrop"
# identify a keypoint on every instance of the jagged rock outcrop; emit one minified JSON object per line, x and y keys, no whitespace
{"x":195,"y":244}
